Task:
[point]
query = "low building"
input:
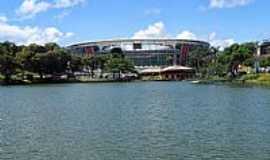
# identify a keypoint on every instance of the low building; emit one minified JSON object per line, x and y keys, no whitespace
{"x":171,"y":73}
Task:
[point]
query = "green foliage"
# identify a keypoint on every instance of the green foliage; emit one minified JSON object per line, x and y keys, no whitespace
{"x":117,"y":65}
{"x":198,"y":57}
{"x":250,"y":77}
{"x":7,"y":66}
{"x":235,"y":55}
{"x":265,"y":62}
{"x":249,"y":62}
{"x":50,"y":63}
{"x":8,"y":48}
{"x":257,"y":79}
{"x":75,"y":64}
{"x":48,"y":59}
{"x":52,"y":46}
{"x":221,"y":63}
{"x":264,"y":77}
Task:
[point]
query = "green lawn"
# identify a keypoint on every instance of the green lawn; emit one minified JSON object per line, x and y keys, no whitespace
{"x":260,"y":79}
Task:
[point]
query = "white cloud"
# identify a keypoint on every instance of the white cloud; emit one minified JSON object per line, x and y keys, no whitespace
{"x":221,"y":43}
{"x":69,"y":34}
{"x":187,"y":35}
{"x":27,"y":34}
{"x":67,"y":3}
{"x":152,"y":11}
{"x":30,"y":8}
{"x":212,"y":38}
{"x":228,"y":3}
{"x":156,"y":30}
{"x":3,"y":19}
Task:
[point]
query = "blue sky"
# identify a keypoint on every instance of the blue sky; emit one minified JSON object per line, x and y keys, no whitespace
{"x":220,"y":22}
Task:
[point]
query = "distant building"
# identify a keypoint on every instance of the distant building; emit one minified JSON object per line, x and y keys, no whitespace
{"x":264,"y":49}
{"x":143,"y":52}
{"x":167,"y":73}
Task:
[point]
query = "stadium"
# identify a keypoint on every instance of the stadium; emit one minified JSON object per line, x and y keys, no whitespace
{"x":143,"y":52}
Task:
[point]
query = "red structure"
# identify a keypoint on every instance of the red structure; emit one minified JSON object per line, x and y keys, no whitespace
{"x":184,"y":54}
{"x":90,"y":51}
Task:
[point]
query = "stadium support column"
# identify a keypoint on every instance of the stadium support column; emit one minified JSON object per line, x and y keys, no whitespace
{"x":175,"y":58}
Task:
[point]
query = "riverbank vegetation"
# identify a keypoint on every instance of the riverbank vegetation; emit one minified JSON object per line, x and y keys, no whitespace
{"x":228,"y":62}
{"x":50,"y":63}
{"x":235,"y":63}
{"x":257,"y":79}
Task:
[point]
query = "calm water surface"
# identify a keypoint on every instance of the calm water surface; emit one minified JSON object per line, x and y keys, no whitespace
{"x":134,"y":121}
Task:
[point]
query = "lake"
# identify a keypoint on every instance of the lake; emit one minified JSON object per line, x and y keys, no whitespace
{"x":134,"y":121}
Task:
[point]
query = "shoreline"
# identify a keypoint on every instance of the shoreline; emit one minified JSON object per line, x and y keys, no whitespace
{"x":235,"y":82}
{"x":95,"y":81}
{"x":18,"y":83}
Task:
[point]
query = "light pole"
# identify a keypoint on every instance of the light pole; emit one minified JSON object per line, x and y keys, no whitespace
{"x":257,"y":57}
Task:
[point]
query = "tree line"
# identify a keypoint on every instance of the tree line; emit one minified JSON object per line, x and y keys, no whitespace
{"x":225,"y":63}
{"x":25,"y":62}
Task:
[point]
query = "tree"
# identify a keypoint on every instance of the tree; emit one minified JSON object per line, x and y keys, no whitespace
{"x":76,"y":64}
{"x":265,"y":62}
{"x":8,"y":64}
{"x":34,"y":48}
{"x":9,"y":48}
{"x":52,"y":46}
{"x":118,"y":66}
{"x":91,"y":64}
{"x":49,"y":59}
{"x":7,"y":67}
{"x":117,"y":53}
{"x":200,"y":57}
{"x":235,"y":55}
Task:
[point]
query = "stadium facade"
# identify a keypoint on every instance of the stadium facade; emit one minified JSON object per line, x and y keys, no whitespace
{"x":143,"y":52}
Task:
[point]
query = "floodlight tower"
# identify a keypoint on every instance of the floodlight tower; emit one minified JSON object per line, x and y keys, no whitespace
{"x":257,"y":57}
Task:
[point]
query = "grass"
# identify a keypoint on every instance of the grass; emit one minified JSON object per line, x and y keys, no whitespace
{"x":259,"y":79}
{"x":262,"y":79}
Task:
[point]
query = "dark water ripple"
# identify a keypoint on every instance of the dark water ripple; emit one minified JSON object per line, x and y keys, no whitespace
{"x":135,"y":121}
